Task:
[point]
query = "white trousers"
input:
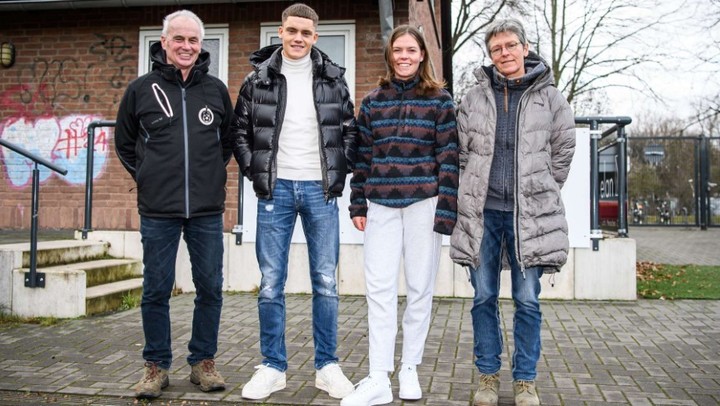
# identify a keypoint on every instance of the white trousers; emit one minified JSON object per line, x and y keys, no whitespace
{"x":391,"y":235}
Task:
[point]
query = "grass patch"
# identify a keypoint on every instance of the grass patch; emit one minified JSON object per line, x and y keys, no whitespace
{"x":10,"y":320}
{"x":129,"y":301}
{"x":672,"y":282}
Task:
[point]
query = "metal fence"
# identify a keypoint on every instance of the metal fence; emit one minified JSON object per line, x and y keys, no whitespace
{"x":672,"y":181}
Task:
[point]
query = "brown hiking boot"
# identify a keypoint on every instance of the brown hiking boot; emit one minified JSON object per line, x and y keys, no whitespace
{"x":525,"y":393}
{"x":487,"y":393}
{"x":204,"y":374}
{"x":154,"y":380}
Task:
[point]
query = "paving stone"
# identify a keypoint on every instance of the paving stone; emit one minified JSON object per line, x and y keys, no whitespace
{"x":594,"y":353}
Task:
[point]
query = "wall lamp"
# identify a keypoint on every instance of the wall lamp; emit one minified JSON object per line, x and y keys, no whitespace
{"x":7,"y":54}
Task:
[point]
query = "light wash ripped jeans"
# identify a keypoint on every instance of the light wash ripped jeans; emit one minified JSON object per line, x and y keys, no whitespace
{"x":275,"y":223}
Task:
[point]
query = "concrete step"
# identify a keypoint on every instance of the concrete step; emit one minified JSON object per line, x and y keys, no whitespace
{"x":50,"y":253}
{"x":110,"y":270}
{"x":99,"y":271}
{"x":112,"y":296}
{"x":79,"y":279}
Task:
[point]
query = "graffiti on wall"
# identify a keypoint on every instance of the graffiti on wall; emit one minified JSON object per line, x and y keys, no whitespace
{"x":60,"y":140}
{"x":38,"y":119}
{"x":115,"y":49}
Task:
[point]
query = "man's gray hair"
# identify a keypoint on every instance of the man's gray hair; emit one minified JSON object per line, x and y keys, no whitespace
{"x":505,"y":25}
{"x":183,"y":13}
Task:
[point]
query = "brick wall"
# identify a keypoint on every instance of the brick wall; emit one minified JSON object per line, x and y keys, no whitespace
{"x":422,"y":17}
{"x":72,"y":68}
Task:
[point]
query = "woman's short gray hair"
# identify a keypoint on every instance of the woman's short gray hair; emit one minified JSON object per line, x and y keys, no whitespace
{"x":183,"y":13}
{"x":505,"y":25}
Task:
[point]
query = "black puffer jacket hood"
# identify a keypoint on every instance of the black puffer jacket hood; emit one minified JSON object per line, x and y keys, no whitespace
{"x":270,"y":58}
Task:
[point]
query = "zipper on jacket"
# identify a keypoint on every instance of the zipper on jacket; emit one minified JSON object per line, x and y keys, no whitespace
{"x":321,"y":150}
{"x":185,"y":142}
{"x":505,"y":189}
{"x":279,"y":115}
{"x":505,"y":89}
{"x":516,"y":212}
{"x":401,"y":111}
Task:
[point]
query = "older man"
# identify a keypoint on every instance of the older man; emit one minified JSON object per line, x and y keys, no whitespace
{"x":173,"y":137}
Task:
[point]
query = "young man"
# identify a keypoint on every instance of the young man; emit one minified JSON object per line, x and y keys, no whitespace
{"x":296,"y":140}
{"x":172,"y":136}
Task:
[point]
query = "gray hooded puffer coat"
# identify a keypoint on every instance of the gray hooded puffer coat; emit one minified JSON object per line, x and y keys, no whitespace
{"x":545,"y":142}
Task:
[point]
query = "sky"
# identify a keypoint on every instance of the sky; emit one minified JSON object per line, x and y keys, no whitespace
{"x":682,"y":80}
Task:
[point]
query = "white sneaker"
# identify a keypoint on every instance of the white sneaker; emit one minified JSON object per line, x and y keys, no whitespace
{"x":331,"y":379}
{"x":409,"y":385}
{"x":369,"y":392}
{"x":264,"y":381}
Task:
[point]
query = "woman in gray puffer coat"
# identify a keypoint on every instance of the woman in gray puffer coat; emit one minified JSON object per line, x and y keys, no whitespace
{"x":517,"y":138}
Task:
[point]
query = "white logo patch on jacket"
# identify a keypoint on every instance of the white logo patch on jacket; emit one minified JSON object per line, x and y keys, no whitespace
{"x":206,"y":116}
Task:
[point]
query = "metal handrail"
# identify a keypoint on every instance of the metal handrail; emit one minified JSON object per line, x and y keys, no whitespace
{"x":33,"y":279}
{"x":595,"y":136}
{"x":89,"y":175}
{"x":33,"y":157}
{"x":237,"y":229}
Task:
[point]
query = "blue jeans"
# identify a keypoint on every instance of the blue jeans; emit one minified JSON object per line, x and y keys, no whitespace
{"x":488,"y":342}
{"x":160,"y":239}
{"x":275,"y":224}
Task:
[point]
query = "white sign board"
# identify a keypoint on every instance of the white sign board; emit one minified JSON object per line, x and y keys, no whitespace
{"x":576,"y":192}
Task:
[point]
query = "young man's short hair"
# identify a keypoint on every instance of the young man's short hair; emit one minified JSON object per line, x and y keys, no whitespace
{"x":301,"y":10}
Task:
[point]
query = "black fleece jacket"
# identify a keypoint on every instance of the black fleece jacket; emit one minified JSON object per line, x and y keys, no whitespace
{"x":173,"y":138}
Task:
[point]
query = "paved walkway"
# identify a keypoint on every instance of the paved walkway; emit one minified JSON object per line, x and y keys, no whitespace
{"x":648,"y":352}
{"x":594,"y":353}
{"x":677,"y":245}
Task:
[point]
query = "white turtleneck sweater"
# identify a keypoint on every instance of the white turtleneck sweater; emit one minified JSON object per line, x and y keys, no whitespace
{"x":298,"y":156}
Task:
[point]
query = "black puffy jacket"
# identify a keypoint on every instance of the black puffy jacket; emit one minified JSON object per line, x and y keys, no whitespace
{"x":259,"y":113}
{"x":173,"y":138}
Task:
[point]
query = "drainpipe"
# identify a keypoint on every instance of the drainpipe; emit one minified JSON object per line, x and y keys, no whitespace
{"x":447,"y":46}
{"x":386,"y":18}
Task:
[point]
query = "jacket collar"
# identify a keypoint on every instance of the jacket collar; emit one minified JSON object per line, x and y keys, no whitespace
{"x":533,"y":70}
{"x":267,"y":62}
{"x":403,"y":85}
{"x":537,"y":72}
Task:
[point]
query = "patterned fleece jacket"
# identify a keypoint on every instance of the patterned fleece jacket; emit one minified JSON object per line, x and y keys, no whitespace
{"x":407,"y":151}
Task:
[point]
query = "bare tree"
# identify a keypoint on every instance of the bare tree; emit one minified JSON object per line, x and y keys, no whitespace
{"x":595,"y":45}
{"x":473,"y":16}
{"x":714,"y":13}
{"x":591,"y":45}
{"x":706,"y":117}
{"x":707,"y":110}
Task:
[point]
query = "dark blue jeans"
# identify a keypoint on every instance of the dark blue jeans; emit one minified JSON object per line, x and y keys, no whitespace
{"x":488,"y":342}
{"x":275,"y":223}
{"x":160,"y":239}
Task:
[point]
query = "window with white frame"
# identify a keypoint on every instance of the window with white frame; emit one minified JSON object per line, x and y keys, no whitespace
{"x":215,"y":42}
{"x":336,"y":39}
